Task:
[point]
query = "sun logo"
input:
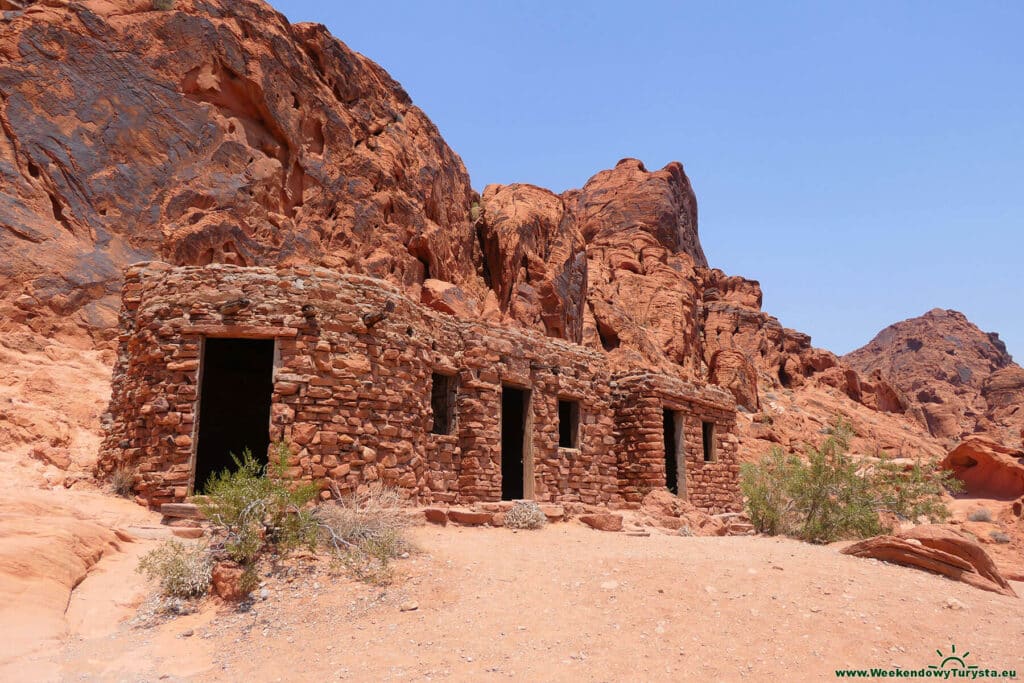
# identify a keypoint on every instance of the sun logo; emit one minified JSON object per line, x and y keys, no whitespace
{"x":953,"y":661}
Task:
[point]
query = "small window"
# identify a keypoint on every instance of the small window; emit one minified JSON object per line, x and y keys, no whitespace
{"x":442,"y":403}
{"x":708,"y":434}
{"x":568,"y":424}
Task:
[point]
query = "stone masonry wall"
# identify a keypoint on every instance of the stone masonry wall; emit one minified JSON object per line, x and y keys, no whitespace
{"x":639,"y":404}
{"x":352,"y":386}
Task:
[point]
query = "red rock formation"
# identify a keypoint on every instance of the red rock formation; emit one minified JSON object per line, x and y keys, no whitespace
{"x":987,"y":469}
{"x":534,"y":258}
{"x":216,"y":132}
{"x":940,"y":550}
{"x":959,"y":379}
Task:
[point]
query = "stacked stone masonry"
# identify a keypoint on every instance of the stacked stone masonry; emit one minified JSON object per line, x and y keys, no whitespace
{"x":354,"y":360}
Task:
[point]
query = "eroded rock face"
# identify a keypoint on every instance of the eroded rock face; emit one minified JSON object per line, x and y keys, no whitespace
{"x":534,"y":258}
{"x":216,"y":132}
{"x":959,"y":379}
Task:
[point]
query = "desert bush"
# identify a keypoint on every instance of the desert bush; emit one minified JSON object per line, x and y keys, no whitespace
{"x":163,"y":5}
{"x":366,"y":531}
{"x":999,"y":536}
{"x":255,"y":509}
{"x":828,"y":495}
{"x":122,"y":481}
{"x":182,"y":572}
{"x":980,"y":515}
{"x":525,"y":514}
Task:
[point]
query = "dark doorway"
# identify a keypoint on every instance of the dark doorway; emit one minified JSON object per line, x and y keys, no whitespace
{"x":672,"y":423}
{"x":514,"y":409}
{"x":234,"y":403}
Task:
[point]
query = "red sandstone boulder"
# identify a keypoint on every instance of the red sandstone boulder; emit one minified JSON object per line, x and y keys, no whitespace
{"x":603,"y":521}
{"x":987,"y":469}
{"x":936,"y":549}
{"x":469,"y":517}
{"x":447,"y":298}
{"x":436,"y":516}
{"x":227,"y":581}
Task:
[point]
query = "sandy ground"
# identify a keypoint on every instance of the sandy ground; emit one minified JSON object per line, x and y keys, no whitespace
{"x":562,"y":604}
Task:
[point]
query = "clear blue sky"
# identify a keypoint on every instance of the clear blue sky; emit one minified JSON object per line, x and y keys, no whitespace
{"x":864,"y":161}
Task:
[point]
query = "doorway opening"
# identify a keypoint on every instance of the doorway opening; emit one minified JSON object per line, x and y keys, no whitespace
{"x":675,"y":462}
{"x":515,"y":404}
{"x":234,"y":404}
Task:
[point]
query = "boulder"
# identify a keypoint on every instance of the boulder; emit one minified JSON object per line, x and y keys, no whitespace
{"x":604,"y":521}
{"x":936,"y":549}
{"x":227,"y":581}
{"x":436,"y":516}
{"x":469,"y":517}
{"x":987,"y":469}
{"x":447,"y":298}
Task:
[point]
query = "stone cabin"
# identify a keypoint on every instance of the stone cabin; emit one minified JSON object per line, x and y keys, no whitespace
{"x":369,"y":386}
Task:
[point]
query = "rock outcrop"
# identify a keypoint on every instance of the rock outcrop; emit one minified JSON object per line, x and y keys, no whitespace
{"x":987,"y":469}
{"x":936,"y":549}
{"x":958,"y":380}
{"x":214,"y":132}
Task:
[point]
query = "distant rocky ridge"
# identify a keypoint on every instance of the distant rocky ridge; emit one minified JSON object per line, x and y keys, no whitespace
{"x":219,"y":132}
{"x":957,"y":380}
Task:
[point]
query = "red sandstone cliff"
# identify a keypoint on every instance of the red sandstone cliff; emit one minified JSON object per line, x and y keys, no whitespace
{"x":958,"y":379}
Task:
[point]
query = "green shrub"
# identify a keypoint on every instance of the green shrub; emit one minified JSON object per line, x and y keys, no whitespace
{"x":163,"y":5}
{"x":366,"y":531}
{"x":525,"y":514}
{"x":183,"y":572}
{"x":828,"y":495}
{"x":255,"y":509}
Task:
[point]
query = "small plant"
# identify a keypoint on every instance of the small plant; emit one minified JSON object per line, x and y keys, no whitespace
{"x":183,"y":572}
{"x":980,"y":515}
{"x":366,"y":531}
{"x":830,"y":496}
{"x":122,"y":481}
{"x":163,"y":5}
{"x":999,"y":536}
{"x":255,"y":509}
{"x":525,"y":514}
